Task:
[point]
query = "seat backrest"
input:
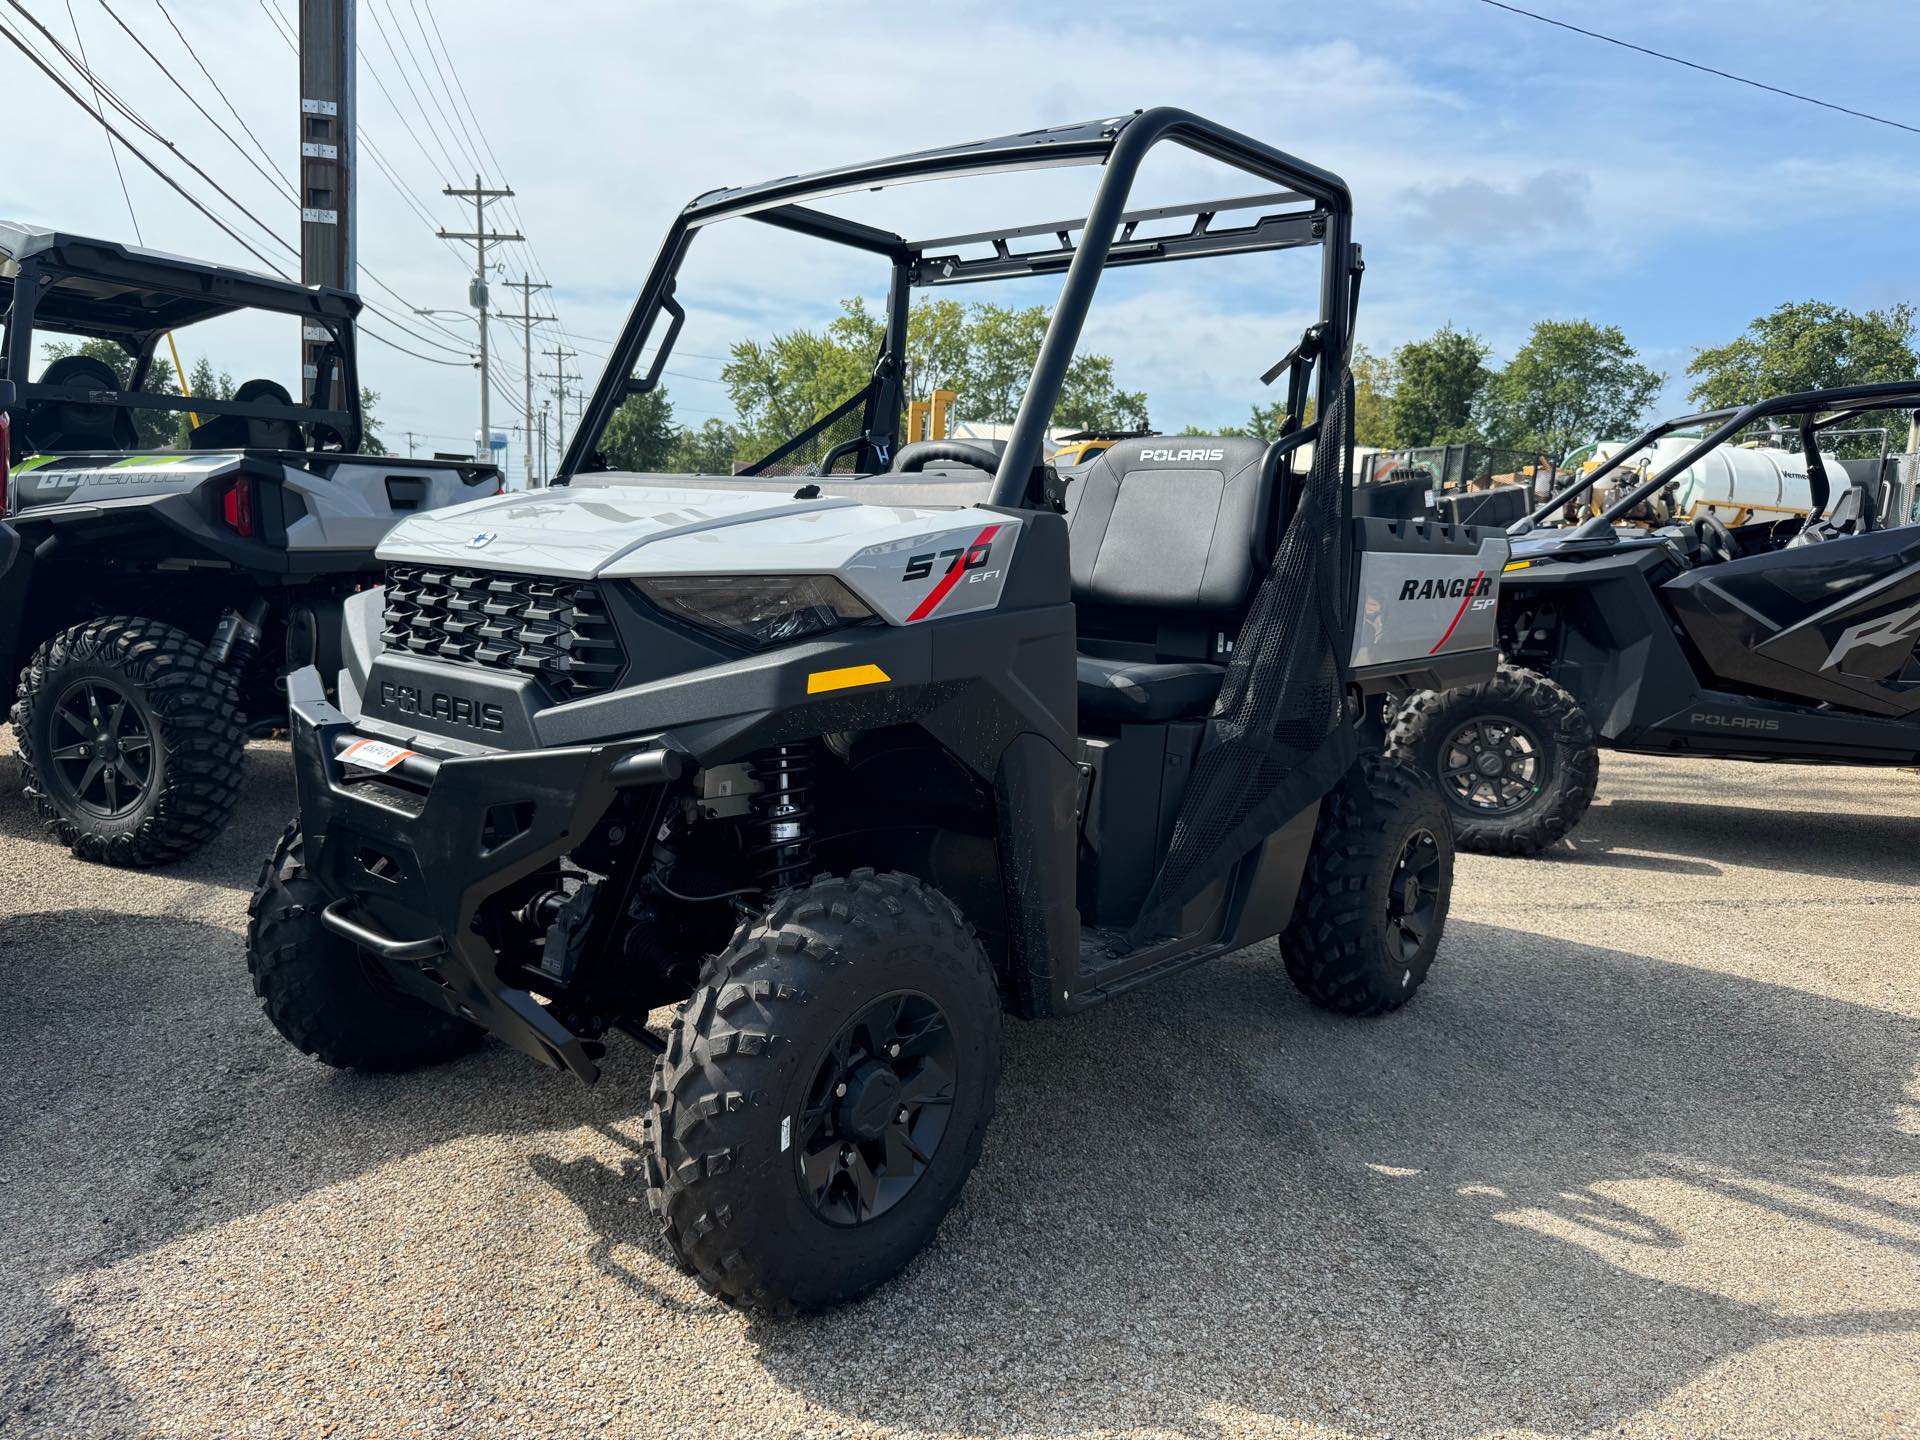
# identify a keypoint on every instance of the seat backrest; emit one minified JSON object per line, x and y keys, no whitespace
{"x":1179,"y":525}
{"x":240,"y":432}
{"x":1856,"y":512}
{"x":78,"y":424}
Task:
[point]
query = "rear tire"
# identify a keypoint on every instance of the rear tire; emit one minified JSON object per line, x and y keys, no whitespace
{"x":325,"y":995}
{"x":777,"y":1190}
{"x":132,"y":740}
{"x":1374,"y":899}
{"x":1533,"y":730}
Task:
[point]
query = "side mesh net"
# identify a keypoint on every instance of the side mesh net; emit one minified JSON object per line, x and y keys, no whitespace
{"x":1278,"y":739}
{"x":811,"y":446}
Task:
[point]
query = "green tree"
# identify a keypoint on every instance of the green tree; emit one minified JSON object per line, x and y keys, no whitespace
{"x":1436,"y":386}
{"x":203,"y":381}
{"x":370,"y":441}
{"x":1572,"y":382}
{"x":1811,"y":345}
{"x":1806,"y":346}
{"x":781,"y":387}
{"x":1372,"y":398}
{"x":710,"y":450}
{"x":640,"y":434}
{"x":153,"y":429}
{"x":1089,"y":399}
{"x":982,"y":352}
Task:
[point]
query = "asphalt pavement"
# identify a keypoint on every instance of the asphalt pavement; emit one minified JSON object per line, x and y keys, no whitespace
{"x":1642,"y":1159}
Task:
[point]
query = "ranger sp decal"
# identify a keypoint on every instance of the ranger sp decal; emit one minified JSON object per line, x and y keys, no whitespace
{"x":1471,"y":589}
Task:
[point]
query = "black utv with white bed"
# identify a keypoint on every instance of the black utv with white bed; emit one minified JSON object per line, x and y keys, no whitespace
{"x":160,"y":594}
{"x":845,"y":767}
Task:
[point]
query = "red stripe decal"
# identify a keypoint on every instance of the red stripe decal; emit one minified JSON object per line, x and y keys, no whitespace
{"x":1473,"y":593}
{"x":952,"y":578}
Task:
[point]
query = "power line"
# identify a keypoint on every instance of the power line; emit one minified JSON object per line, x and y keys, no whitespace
{"x":275,"y":176}
{"x":114,"y":134}
{"x":373,"y":334}
{"x":113,"y":152}
{"x":461,"y":96}
{"x":102,"y":88}
{"x":1704,"y":69}
{"x":291,"y":194}
{"x":21,"y":45}
{"x":452,"y":165}
{"x":472,"y":150}
{"x":279,"y":23}
{"x":395,"y":35}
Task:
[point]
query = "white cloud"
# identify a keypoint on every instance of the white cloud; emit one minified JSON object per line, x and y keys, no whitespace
{"x":607,"y":117}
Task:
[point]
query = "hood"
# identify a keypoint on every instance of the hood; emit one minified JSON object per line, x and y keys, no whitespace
{"x":581,"y":532}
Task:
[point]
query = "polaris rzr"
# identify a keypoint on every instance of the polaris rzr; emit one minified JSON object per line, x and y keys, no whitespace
{"x":1738,"y":631}
{"x":843,"y":767}
{"x":161,"y":590}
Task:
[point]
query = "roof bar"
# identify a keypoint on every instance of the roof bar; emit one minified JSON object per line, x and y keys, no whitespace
{"x":1132,"y":217}
{"x":1269,"y":232}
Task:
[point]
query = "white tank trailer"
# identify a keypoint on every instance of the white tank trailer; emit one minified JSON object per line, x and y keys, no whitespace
{"x":1737,"y":482}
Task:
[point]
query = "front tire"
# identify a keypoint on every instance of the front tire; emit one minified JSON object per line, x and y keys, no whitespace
{"x":325,"y":995}
{"x":1515,"y":758}
{"x":824,"y":1093}
{"x":1374,"y":898}
{"x":132,"y":740}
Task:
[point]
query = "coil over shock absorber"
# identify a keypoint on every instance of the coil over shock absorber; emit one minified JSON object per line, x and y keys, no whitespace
{"x":781,"y":837}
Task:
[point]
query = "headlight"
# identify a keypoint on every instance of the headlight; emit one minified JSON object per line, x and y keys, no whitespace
{"x":759,"y":610}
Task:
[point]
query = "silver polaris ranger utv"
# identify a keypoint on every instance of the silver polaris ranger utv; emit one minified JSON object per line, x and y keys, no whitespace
{"x":178,"y":554}
{"x":845,"y":767}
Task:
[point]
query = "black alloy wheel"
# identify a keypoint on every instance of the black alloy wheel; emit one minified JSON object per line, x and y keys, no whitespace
{"x":876,"y":1109}
{"x":1491,"y":766}
{"x":1416,"y":893}
{"x":102,"y":758}
{"x":1514,"y":758}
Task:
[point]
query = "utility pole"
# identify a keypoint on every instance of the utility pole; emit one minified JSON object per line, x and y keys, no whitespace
{"x":543,"y":438}
{"x":477,"y":293}
{"x":528,"y":320}
{"x":328,"y":228}
{"x":559,"y":377}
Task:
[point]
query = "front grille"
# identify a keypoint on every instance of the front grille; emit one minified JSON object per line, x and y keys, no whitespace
{"x":557,"y":631}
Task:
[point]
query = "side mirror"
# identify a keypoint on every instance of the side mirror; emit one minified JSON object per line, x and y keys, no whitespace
{"x":9,"y":395}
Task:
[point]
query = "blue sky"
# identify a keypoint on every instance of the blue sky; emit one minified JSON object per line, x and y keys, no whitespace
{"x":1503,"y":171}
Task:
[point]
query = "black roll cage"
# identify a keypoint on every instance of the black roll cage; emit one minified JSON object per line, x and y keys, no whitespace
{"x":1108,"y":235}
{"x":140,"y":296}
{"x":1819,"y":409}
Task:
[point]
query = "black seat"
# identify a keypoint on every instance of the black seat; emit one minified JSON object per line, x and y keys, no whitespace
{"x":241,"y":432}
{"x":1136,"y":691}
{"x":1854,"y":513}
{"x":79,"y":424}
{"x":1169,"y":536}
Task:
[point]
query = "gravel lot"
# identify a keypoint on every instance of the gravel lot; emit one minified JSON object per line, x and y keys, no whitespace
{"x":1643,"y":1159}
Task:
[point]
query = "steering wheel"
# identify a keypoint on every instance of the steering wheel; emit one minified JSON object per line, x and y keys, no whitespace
{"x":1715,"y":540}
{"x":915,"y":458}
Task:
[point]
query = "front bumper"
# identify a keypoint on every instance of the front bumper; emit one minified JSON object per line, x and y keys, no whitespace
{"x":408,"y":858}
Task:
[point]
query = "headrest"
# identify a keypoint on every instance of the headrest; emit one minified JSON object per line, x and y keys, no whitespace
{"x":79,"y":424}
{"x":80,"y":372}
{"x":238,"y":432}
